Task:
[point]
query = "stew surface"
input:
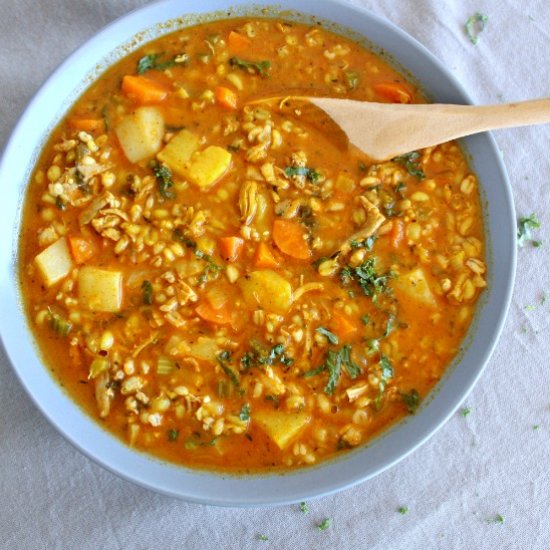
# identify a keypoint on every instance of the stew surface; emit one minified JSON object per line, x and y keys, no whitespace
{"x":218,"y":280}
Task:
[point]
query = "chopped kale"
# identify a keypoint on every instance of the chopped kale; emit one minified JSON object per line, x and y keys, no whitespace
{"x":178,"y":235}
{"x":368,"y":243}
{"x":371,"y":283}
{"x":410,"y":162}
{"x":385,"y":376}
{"x":152,"y":62}
{"x":147,"y":289}
{"x":261,"y":68}
{"x":164,"y":180}
{"x":60,"y":203}
{"x":173,"y":434}
{"x":411,"y":400}
{"x":334,"y":360}
{"x":244,"y":415}
{"x":331,"y":337}
{"x":224,"y":358}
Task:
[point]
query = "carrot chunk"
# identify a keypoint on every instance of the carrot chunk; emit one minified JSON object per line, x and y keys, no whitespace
{"x":87,"y":124}
{"x":290,"y":239}
{"x":220,"y":316}
{"x":142,"y":90}
{"x":238,"y":43}
{"x":230,"y":248}
{"x":226,"y":98}
{"x":264,"y":257}
{"x":81,"y":249}
{"x":342,"y":325}
{"x":394,"y":91}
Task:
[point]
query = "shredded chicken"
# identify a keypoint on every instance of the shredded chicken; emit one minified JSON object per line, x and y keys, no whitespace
{"x":374,"y":220}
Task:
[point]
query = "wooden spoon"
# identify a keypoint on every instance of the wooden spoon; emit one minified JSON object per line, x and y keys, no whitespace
{"x":387,"y":130}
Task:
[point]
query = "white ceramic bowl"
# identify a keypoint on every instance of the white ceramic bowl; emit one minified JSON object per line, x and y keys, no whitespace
{"x":45,"y":111}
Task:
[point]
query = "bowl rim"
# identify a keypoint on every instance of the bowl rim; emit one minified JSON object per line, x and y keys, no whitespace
{"x":222,"y":488}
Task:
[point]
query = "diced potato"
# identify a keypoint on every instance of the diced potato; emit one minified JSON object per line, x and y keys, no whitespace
{"x":267,"y":289}
{"x":281,"y":427}
{"x":415,"y":285}
{"x":204,"y":348}
{"x":55,"y":262}
{"x":100,"y":289}
{"x":208,"y":166}
{"x":345,"y":183}
{"x":179,"y":150}
{"x":140,"y":133}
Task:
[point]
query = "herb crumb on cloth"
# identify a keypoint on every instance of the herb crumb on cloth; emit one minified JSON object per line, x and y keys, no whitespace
{"x":527,"y":224}
{"x":475,"y":24}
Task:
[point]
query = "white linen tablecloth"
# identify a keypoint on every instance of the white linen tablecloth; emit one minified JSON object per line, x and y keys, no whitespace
{"x":493,"y":461}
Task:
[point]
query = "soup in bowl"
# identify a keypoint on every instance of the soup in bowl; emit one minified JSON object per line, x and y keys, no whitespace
{"x":220,"y":285}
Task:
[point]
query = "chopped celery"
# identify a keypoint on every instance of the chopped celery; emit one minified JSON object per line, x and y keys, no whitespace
{"x":60,"y":326}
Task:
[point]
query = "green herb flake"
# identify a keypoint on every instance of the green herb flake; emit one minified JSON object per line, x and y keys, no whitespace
{"x":334,"y":360}
{"x":365,"y":319}
{"x":325,"y":524}
{"x":263,"y":538}
{"x":164,"y":180}
{"x":224,"y":357}
{"x":147,"y":289}
{"x":367,"y":244}
{"x":244,"y":415}
{"x":212,"y":268}
{"x":499,"y":519}
{"x":403,"y":510}
{"x":309,"y":173}
{"x":536,"y":426}
{"x":411,"y":163}
{"x":274,"y":399}
{"x":331,"y":337}
{"x":464,"y":412}
{"x":152,"y":62}
{"x":475,"y":24}
{"x":194,"y":441}
{"x":173,"y":435}
{"x":526,"y":225}
{"x":411,"y":400}
{"x":362,"y":166}
{"x":59,"y":203}
{"x":178,"y":236}
{"x":304,"y":508}
{"x":260,"y":68}
{"x":386,"y":375}
{"x":365,"y":276}
{"x":60,"y":326}
{"x":400,"y":188}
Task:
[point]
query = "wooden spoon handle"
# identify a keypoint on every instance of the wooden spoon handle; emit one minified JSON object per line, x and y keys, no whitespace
{"x":385,"y":130}
{"x":470,"y":119}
